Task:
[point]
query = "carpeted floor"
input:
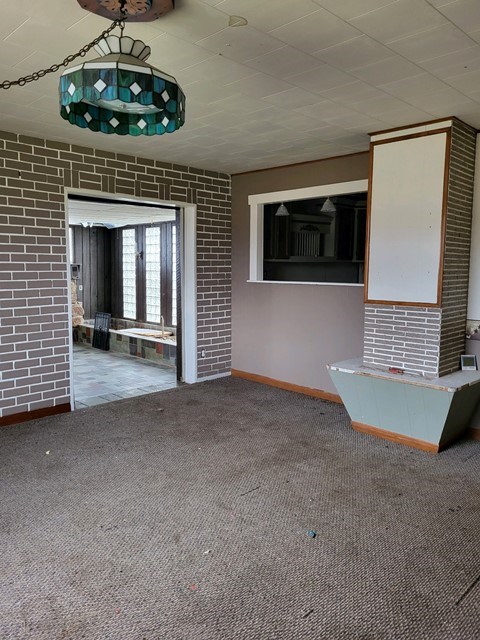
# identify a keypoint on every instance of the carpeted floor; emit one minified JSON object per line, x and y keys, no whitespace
{"x":184,"y":515}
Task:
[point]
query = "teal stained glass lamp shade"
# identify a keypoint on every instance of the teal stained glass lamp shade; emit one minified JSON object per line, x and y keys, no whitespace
{"x":120,"y":93}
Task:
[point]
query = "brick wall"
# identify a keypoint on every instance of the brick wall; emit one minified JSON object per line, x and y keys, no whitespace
{"x":457,"y":246}
{"x":429,"y":341}
{"x":402,"y":337}
{"x":34,"y":322}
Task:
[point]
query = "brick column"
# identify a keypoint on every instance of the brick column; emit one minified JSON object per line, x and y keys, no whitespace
{"x":428,"y":340}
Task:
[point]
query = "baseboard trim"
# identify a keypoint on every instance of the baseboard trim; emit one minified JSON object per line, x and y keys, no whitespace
{"x":423,"y":445}
{"x":287,"y":386}
{"x":473,"y":433}
{"x":25,"y":416}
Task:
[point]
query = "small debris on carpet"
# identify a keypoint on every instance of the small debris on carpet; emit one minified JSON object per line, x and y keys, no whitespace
{"x":311,"y":533}
{"x":307,"y":613}
{"x":254,"y":489}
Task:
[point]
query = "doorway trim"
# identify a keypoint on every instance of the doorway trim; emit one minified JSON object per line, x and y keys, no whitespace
{"x":188,"y":226}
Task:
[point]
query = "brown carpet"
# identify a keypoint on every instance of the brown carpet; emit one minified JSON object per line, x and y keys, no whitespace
{"x":184,"y":515}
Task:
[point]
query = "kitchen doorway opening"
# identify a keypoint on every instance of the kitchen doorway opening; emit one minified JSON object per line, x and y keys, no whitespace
{"x":128,"y":289}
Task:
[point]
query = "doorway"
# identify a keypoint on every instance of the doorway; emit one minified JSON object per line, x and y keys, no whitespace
{"x":127,"y":263}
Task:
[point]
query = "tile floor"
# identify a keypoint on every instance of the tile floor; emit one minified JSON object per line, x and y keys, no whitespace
{"x":102,"y":376}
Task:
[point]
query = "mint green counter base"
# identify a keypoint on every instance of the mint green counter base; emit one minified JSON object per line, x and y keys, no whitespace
{"x":422,"y":413}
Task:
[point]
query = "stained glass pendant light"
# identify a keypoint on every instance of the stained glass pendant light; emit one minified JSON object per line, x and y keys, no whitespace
{"x":121,"y":93}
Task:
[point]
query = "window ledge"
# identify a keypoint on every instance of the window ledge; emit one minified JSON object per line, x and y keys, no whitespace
{"x":315,"y":284}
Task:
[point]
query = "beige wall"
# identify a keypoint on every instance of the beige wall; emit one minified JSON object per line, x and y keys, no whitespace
{"x":291,"y":332}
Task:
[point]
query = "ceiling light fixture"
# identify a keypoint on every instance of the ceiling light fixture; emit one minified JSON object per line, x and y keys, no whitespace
{"x":282,"y":211}
{"x":328,"y":207}
{"x":133,"y":10}
{"x":118,"y":92}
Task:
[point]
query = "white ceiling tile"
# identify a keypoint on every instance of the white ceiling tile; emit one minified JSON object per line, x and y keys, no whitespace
{"x":217,"y":69}
{"x":475,"y":35}
{"x":357,"y":52}
{"x":320,"y":79}
{"x":465,"y":82}
{"x":292,"y":98}
{"x":207,"y":92}
{"x":399,"y":20}
{"x":172,"y":54}
{"x":260,"y":86}
{"x":360,"y":123}
{"x":240,"y":104}
{"x":12,"y":20}
{"x":316,"y":31}
{"x":453,"y":64}
{"x":48,"y":39}
{"x":262,"y":15}
{"x":377,"y":106}
{"x":349,"y":93}
{"x":262,"y":109}
{"x":193,"y":20}
{"x":326,"y":109}
{"x":348,"y":9}
{"x":283,"y":62}
{"x":430,"y":44}
{"x":12,"y":54}
{"x":388,"y":70}
{"x":441,"y":3}
{"x":240,"y":44}
{"x":403,"y":114}
{"x":416,"y":86}
{"x":464,"y":13}
{"x":442,"y":103}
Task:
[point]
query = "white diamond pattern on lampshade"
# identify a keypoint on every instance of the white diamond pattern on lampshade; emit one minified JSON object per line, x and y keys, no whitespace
{"x":135,"y":89}
{"x":120,"y":93}
{"x":100,"y":85}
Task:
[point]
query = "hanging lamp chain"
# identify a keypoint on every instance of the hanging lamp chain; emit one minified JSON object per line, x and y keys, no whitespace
{"x":36,"y":75}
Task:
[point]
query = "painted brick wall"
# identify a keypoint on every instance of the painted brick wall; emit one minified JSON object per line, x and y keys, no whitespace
{"x":34,"y":323}
{"x":457,"y":246}
{"x":403,"y":337}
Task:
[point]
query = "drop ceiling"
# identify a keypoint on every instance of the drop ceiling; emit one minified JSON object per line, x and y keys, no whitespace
{"x":303,"y":80}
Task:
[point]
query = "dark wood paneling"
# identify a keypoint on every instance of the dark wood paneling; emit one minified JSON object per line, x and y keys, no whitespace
{"x":92,"y":251}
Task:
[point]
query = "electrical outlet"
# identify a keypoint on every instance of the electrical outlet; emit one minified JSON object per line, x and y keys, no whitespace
{"x":203,"y":353}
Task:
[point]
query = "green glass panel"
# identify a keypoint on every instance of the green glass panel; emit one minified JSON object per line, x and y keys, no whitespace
{"x":125,"y":94}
